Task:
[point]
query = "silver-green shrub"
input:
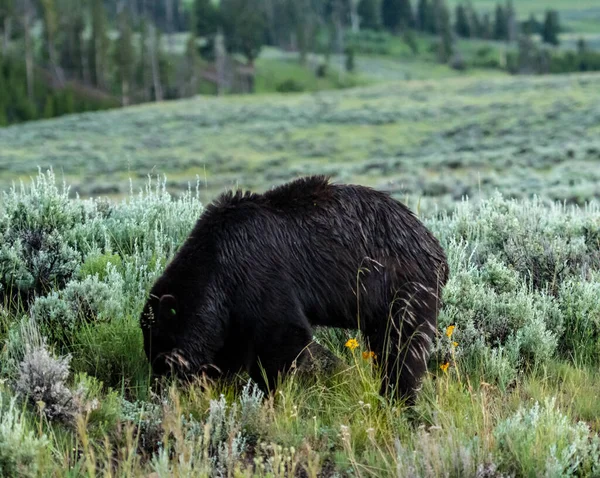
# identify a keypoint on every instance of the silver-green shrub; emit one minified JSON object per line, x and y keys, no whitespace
{"x":543,"y":441}
{"x":81,"y":302}
{"x":43,"y":382}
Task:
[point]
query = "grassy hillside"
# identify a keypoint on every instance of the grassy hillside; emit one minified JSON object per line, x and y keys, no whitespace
{"x":430,"y":141}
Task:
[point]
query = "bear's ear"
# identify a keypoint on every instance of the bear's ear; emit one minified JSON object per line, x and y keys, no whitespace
{"x":168,"y":306}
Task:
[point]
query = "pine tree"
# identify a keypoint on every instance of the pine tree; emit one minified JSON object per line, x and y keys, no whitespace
{"x":390,"y":14}
{"x":486,"y":27}
{"x":422,"y":13}
{"x":500,"y":25}
{"x":368,"y":11}
{"x":397,"y":14}
{"x":426,"y":16}
{"x":407,"y":15}
{"x":474,"y":21}
{"x":301,"y":26}
{"x":244,"y":26}
{"x":551,"y":28}
{"x":206,"y":17}
{"x":530,"y":27}
{"x":462,"y":26}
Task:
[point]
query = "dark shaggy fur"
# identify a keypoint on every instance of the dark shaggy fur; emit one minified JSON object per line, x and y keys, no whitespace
{"x":260,"y":270}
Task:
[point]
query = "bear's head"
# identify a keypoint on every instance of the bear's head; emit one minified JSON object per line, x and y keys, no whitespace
{"x":159,"y":328}
{"x":169,"y":341}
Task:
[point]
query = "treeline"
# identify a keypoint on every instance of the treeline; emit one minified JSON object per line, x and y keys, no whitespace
{"x":429,"y":15}
{"x":504,"y":25}
{"x":63,"y":56}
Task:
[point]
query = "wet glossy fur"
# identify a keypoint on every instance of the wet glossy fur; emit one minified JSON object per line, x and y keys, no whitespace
{"x":260,"y":270}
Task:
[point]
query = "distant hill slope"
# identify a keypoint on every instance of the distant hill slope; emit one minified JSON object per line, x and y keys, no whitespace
{"x":434,"y":141}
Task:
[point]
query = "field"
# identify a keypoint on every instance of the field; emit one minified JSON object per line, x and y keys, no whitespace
{"x":513,"y":381}
{"x":420,"y":139}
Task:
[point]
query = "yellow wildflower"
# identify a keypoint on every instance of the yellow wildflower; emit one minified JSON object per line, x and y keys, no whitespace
{"x":445,"y":366}
{"x":450,"y":331}
{"x":455,"y":344}
{"x":367,"y":355}
{"x":352,"y":344}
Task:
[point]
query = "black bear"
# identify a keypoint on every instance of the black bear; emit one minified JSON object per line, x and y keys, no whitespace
{"x":258,"y":271}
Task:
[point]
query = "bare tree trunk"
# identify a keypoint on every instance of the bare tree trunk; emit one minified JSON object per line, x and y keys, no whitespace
{"x":85,"y":64}
{"x":220,"y":61}
{"x":354,"y":18}
{"x":59,"y":75}
{"x":512,"y":28}
{"x":125,"y":101}
{"x":99,"y":69}
{"x":7,"y":33}
{"x":153,"y":50}
{"x":27,"y":17}
{"x":270,"y":14}
{"x":169,"y":9}
{"x":339,"y":34}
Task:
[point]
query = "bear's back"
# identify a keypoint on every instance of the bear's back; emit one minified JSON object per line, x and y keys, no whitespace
{"x":314,"y":212}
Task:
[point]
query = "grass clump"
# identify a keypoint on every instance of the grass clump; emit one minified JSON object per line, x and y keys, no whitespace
{"x":22,"y":451}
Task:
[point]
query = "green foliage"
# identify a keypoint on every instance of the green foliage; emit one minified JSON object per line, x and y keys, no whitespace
{"x":426,"y":16}
{"x":483,"y":143}
{"x":244,"y":26}
{"x":97,"y":264}
{"x":397,"y":14}
{"x":22,"y":453}
{"x":462,"y":25}
{"x":443,"y":26}
{"x":551,"y":28}
{"x":542,"y":439}
{"x":16,"y":107}
{"x":369,"y":13}
{"x":206,"y":18}
{"x":89,"y":301}
{"x":522,"y":296}
{"x":500,"y":23}
{"x":532,"y":58}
